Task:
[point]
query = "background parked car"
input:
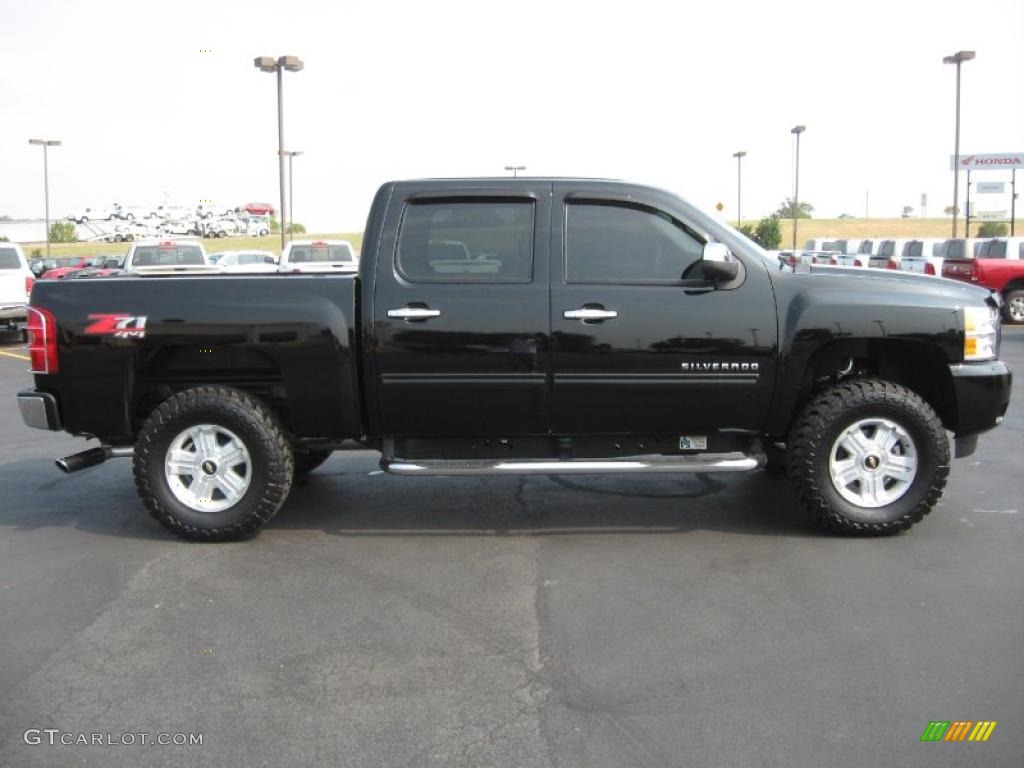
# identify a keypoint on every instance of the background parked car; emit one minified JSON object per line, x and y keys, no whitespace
{"x":39,"y":266}
{"x":318,"y":256}
{"x":888,"y":253}
{"x":997,"y":264}
{"x":922,"y":256}
{"x":847,"y":253}
{"x":16,"y":281}
{"x":244,"y":261}
{"x":92,"y":214}
{"x":163,"y":256}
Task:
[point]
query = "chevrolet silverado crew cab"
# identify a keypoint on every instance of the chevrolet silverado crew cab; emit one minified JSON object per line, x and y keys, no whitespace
{"x":524,"y":326}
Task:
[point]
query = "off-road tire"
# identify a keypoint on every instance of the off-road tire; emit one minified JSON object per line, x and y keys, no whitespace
{"x":272,"y":465}
{"x":815,"y":431}
{"x":307,"y":461}
{"x":1016,"y":297}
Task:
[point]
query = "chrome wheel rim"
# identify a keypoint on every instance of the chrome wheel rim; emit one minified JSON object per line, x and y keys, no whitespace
{"x":208,"y":468}
{"x":873,"y":463}
{"x":1016,"y":308}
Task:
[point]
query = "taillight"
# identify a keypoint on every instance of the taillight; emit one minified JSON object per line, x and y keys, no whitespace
{"x":42,"y":340}
{"x":856,"y":263}
{"x":833,"y":261}
{"x":929,"y":269}
{"x":29,"y":282}
{"x":890,"y":264}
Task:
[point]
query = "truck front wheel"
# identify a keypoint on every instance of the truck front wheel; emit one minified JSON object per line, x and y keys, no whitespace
{"x":868,"y":457}
{"x":213,"y":464}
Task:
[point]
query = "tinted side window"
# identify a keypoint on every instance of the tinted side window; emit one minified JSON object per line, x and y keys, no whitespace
{"x":9,"y":258}
{"x":995,"y":249}
{"x":478,"y":241}
{"x":614,"y":243}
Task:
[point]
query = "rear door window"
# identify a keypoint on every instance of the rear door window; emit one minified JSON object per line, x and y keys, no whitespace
{"x":467,"y":241}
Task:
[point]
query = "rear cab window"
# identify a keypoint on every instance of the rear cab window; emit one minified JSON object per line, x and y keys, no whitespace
{"x":166,"y":255}
{"x":9,"y":259}
{"x":322,"y":253}
{"x":479,"y":240}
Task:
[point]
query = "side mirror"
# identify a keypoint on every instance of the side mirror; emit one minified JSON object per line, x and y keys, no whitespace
{"x":719,"y":264}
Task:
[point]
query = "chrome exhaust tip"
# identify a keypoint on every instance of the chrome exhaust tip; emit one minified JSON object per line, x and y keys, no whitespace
{"x":93,"y":457}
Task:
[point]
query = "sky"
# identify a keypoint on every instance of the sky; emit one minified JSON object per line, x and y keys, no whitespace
{"x":158,"y":102}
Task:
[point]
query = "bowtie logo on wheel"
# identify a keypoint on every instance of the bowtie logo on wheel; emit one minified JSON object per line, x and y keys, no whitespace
{"x":118,"y":326}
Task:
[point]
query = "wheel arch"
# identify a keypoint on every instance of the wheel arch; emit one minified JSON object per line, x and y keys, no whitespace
{"x":919,"y":366}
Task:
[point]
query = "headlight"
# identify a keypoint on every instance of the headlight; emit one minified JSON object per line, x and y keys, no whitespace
{"x":981,"y":333}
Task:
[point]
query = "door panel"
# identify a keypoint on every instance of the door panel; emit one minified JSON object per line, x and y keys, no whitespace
{"x":674,"y":358}
{"x":461,"y":337}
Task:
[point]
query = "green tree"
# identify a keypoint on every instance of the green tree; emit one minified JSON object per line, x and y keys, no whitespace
{"x":790,"y":209}
{"x":908,"y":211}
{"x":275,"y":225}
{"x":63,"y":232}
{"x":295,"y":228}
{"x":993,"y":229}
{"x":768,"y":234}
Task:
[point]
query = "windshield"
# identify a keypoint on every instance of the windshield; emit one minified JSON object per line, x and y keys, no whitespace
{"x":913,"y":249}
{"x":9,"y":259}
{"x":865,"y":247}
{"x":319,"y":252}
{"x":160,"y":255}
{"x":886,"y":249}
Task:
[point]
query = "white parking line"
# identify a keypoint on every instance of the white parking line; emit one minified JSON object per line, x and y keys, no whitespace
{"x":15,"y":355}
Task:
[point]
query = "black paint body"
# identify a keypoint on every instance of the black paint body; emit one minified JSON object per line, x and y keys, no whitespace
{"x":501,"y":369}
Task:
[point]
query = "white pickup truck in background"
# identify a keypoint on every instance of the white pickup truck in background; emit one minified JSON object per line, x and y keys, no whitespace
{"x":15,"y":285}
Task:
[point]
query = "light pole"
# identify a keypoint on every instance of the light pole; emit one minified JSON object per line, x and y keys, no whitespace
{"x":957,"y":58}
{"x":515,"y":170}
{"x":46,"y":144}
{"x":291,"y":197}
{"x":796,"y":190}
{"x":739,"y":187}
{"x":279,"y":65}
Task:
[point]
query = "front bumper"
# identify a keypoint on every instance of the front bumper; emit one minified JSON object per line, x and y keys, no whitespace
{"x":982,"y":395}
{"x":39,"y":410}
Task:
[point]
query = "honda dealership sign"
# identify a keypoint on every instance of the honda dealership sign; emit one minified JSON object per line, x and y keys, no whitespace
{"x":1006,"y":161}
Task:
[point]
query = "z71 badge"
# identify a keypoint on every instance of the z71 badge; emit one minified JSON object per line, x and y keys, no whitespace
{"x":118,"y":326}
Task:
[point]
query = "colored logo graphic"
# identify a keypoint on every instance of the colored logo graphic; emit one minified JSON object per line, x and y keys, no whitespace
{"x":958,"y":730}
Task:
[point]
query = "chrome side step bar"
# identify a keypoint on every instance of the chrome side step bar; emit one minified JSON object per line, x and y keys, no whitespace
{"x":711,"y":462}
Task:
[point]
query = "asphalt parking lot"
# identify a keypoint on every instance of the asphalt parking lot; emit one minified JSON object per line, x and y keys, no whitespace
{"x":508,"y":622}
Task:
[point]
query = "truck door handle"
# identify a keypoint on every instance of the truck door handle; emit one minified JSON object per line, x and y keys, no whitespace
{"x":414,"y":313}
{"x":590,"y":313}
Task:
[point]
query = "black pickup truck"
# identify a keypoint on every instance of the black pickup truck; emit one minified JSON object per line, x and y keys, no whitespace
{"x":501,"y":326}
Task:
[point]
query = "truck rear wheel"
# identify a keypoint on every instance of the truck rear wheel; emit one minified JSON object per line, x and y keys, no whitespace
{"x":213,"y":464}
{"x":868,"y":457}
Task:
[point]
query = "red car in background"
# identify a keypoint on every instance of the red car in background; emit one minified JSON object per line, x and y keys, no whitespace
{"x":77,"y":263}
{"x":259,"y":209}
{"x":999,"y":265}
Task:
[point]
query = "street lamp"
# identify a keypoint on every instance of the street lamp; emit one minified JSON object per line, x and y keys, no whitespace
{"x":291,"y":197}
{"x":739,"y":186}
{"x":279,"y":65}
{"x":796,"y":191}
{"x":515,"y":170}
{"x":957,"y":58}
{"x":46,"y":144}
